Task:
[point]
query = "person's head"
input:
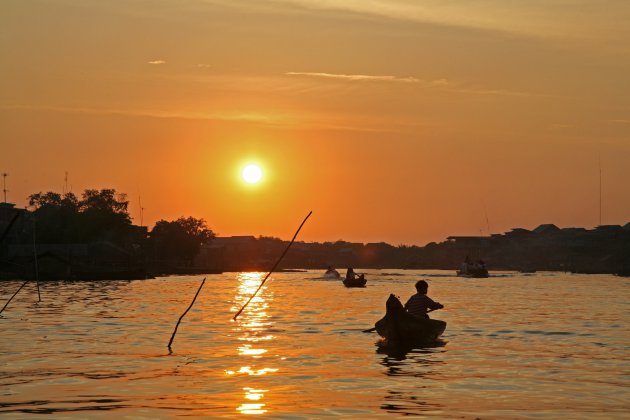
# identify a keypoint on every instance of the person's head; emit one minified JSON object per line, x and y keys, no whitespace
{"x":422,"y":287}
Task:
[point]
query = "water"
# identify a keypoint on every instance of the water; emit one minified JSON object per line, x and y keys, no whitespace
{"x":547,"y":345}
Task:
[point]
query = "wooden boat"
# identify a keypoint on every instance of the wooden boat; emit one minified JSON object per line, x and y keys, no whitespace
{"x":479,"y":273}
{"x":359,"y":281}
{"x":400,"y":328}
{"x":473,"y":269}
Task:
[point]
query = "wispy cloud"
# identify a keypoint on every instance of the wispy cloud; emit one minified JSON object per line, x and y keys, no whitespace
{"x":156,"y":62}
{"x":537,"y":18}
{"x":441,"y":84}
{"x":355,"y":77}
{"x":255,"y":117}
{"x":286,"y":120}
{"x":620,"y":121}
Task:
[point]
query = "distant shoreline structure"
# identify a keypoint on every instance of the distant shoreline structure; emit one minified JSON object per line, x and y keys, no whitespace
{"x":604,"y":249}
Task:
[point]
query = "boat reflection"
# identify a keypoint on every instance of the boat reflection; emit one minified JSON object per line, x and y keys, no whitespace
{"x":399,"y":352}
{"x":252,"y":329}
{"x":422,"y":364}
{"x":407,"y":403}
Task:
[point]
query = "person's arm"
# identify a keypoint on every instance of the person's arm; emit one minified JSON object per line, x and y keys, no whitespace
{"x":433,"y":304}
{"x":408,"y":302}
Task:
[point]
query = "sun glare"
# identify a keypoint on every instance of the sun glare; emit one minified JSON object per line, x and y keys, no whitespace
{"x":252,"y":174}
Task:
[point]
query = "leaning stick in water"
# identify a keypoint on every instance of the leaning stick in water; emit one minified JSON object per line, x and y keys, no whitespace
{"x":18,"y":291}
{"x":273,"y":268}
{"x":185,"y":312}
{"x":39,"y":295}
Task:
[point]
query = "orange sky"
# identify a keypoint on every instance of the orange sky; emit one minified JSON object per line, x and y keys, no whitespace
{"x":393,"y":120}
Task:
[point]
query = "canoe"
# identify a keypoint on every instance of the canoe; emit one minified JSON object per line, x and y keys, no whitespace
{"x":478,"y":273}
{"x":400,"y":328}
{"x":356,"y":282}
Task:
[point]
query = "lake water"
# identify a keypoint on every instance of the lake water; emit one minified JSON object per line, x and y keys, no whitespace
{"x":544,"y":345}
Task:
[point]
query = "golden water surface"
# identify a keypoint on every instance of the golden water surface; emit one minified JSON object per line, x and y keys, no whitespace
{"x":545,"y":345}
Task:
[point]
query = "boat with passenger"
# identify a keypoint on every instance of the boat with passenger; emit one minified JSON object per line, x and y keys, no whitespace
{"x":359,"y":281}
{"x":473,"y":269}
{"x":399,"y":328}
{"x":331,"y":274}
{"x":353,"y":279}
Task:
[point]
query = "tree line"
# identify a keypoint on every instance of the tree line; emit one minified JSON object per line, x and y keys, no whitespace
{"x":103,"y":215}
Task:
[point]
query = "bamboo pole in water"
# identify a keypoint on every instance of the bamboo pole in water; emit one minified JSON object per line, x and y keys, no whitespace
{"x":10,"y":299}
{"x":185,"y":312}
{"x":39,"y":296}
{"x":274,"y":267}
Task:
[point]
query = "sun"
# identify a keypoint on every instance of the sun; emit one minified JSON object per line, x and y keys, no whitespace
{"x":252,"y":174}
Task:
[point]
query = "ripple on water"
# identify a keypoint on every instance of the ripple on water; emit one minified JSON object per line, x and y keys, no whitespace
{"x":298,"y":350}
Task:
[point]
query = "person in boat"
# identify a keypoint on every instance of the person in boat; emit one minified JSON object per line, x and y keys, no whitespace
{"x":351,"y":275}
{"x":330,"y":270}
{"x":419,"y":304}
{"x":466,"y":265}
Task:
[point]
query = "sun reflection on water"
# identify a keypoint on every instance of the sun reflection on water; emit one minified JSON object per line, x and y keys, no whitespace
{"x":252,"y":328}
{"x":247,"y":370}
{"x":247,"y":350}
{"x":256,"y":339}
{"x":252,"y":394}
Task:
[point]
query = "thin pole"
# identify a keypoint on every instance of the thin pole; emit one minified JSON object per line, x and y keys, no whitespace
{"x":141,"y":210}
{"x":273,"y":268}
{"x":600,"y":189}
{"x":8,"y":301}
{"x":4,"y":185}
{"x":185,"y":312}
{"x":39,"y":296}
{"x":486,"y":213}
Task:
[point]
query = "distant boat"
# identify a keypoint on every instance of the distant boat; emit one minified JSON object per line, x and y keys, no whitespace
{"x":332,"y":274}
{"x":400,"y":328}
{"x":359,"y":281}
{"x":474,"y":270}
{"x":479,"y":273}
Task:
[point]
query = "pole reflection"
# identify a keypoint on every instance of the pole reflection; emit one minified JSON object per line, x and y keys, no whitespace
{"x":252,"y":330}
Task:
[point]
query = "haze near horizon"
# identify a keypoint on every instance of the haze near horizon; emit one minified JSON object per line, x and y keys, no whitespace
{"x":395,"y":121}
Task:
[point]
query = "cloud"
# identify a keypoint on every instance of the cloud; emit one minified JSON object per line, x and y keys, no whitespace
{"x":156,"y":62}
{"x":561,"y":19}
{"x":441,"y":84}
{"x":621,"y":121}
{"x":356,"y":77}
{"x":255,"y":117}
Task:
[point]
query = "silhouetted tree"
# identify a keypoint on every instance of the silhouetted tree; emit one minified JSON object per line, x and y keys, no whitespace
{"x":180,"y":239}
{"x":99,"y":215}
{"x":53,"y":199}
{"x":103,"y":215}
{"x":56,"y":216}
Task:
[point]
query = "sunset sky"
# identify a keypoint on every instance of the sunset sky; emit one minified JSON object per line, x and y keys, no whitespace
{"x":402,"y":121}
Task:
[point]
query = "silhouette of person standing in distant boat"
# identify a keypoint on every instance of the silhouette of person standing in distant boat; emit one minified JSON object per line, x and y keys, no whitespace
{"x":351,"y":275}
{"x":420,"y":304}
